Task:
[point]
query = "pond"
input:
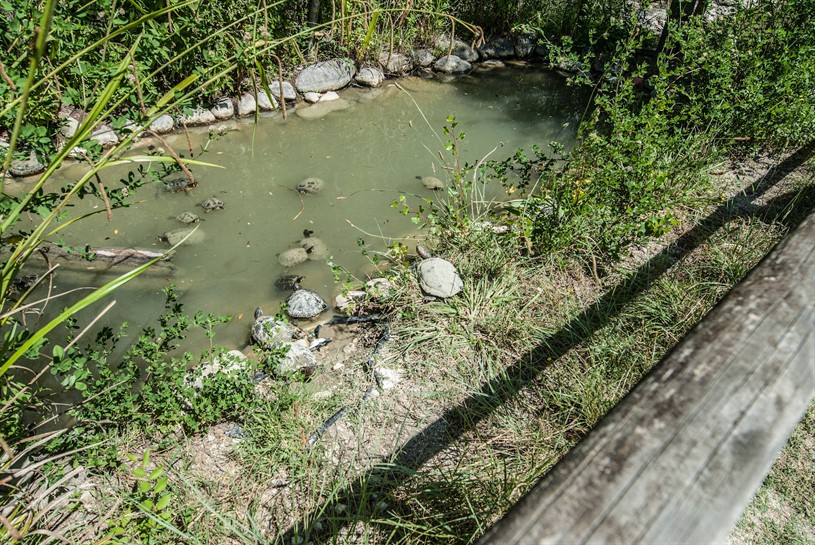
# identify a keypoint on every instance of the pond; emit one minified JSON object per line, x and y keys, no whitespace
{"x":368,"y":154}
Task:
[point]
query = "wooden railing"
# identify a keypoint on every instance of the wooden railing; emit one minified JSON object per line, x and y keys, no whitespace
{"x":679,"y":458}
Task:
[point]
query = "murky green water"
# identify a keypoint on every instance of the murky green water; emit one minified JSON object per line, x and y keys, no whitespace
{"x":367,"y":154}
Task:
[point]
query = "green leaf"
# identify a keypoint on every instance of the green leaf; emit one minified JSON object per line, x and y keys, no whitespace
{"x":163,"y":502}
{"x":139,"y":472}
{"x":161,"y":484}
{"x":156,"y":473}
{"x":369,"y":33}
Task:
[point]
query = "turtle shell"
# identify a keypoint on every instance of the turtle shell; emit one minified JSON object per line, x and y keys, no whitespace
{"x":212,"y":203}
{"x":187,"y":217}
{"x":305,"y":304}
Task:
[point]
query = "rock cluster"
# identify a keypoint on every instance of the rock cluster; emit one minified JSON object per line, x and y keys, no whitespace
{"x":315,"y":83}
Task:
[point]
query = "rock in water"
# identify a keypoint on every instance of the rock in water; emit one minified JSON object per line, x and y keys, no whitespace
{"x":305,"y":304}
{"x":370,"y":77}
{"x":423,"y":58}
{"x":199,"y":116}
{"x":499,"y":48}
{"x":223,"y":109}
{"x":293,"y":257}
{"x":329,"y":96}
{"x":326,"y":76}
{"x":439,"y":277}
{"x":162,"y":124}
{"x":460,"y":50}
{"x":450,"y":64}
{"x":395,"y":63}
{"x":288,"y":89}
{"x":29,"y":167}
{"x":322,"y":109}
{"x":269,"y":332}
{"x":247,"y":104}
{"x":310,"y":185}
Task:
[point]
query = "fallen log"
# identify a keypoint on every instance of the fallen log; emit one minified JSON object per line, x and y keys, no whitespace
{"x":105,"y":258}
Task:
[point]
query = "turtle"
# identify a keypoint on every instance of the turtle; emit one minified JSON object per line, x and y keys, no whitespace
{"x":310,"y":185}
{"x":23,"y":283}
{"x":193,"y":235}
{"x":288,"y":282}
{"x":431,"y":182}
{"x":180,"y":184}
{"x":305,"y":304}
{"x":292,"y":257}
{"x":212,"y":203}
{"x":188,"y":217}
{"x":315,"y":248}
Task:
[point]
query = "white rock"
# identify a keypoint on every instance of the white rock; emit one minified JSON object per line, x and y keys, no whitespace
{"x":326,"y":76}
{"x":69,"y":127}
{"x":105,"y":136}
{"x":231,"y":363}
{"x":223,"y":109}
{"x":388,"y":378}
{"x":370,"y":77}
{"x":395,"y":63}
{"x":378,"y":288}
{"x":162,"y":124}
{"x":271,"y":333}
{"x":451,"y":64}
{"x":288,"y":90}
{"x":265,"y":102}
{"x":461,"y":49}
{"x":130,"y":126}
{"x":345,"y":301}
{"x":247,"y":104}
{"x":423,"y":58}
{"x":297,"y":357}
{"x":329,"y":96}
{"x":311,"y":98}
{"x":199,"y":116}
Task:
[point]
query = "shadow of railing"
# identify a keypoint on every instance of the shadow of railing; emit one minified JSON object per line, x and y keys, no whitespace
{"x":460,"y":419}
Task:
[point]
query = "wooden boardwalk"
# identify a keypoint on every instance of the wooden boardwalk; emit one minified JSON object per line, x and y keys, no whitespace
{"x":679,"y":458}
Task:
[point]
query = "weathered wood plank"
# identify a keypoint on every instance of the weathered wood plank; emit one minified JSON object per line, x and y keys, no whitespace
{"x":679,"y":458}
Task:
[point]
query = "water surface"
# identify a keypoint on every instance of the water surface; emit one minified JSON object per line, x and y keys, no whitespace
{"x":368,"y":154}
